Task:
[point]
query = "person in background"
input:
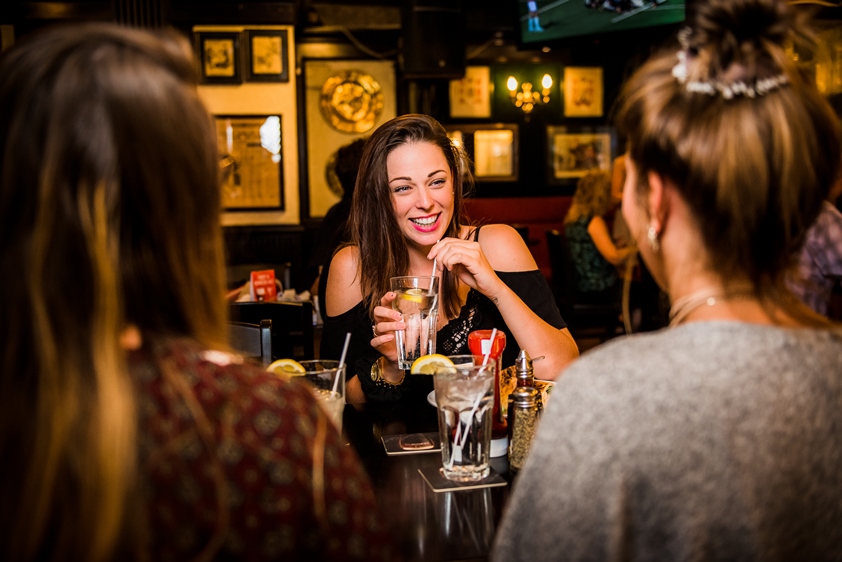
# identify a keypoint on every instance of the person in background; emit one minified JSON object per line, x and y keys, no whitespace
{"x":333,"y":231}
{"x":594,"y":254}
{"x":718,"y":438}
{"x":128,"y":430}
{"x":406,"y":217}
{"x":819,"y":267}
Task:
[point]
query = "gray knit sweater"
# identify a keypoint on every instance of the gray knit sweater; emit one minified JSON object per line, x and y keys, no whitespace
{"x":710,"y":441}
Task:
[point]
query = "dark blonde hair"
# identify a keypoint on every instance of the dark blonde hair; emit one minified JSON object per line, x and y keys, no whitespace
{"x":753,"y":169}
{"x":592,"y":197}
{"x":374,"y":229}
{"x":109,"y":212}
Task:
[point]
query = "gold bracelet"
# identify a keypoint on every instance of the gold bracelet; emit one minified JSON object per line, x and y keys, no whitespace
{"x":377,"y":376}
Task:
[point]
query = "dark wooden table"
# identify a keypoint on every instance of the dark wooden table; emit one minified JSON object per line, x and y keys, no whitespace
{"x":425,"y":525}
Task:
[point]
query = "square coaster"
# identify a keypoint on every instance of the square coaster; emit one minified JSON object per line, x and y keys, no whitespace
{"x":411,"y":443}
{"x":438,"y":483}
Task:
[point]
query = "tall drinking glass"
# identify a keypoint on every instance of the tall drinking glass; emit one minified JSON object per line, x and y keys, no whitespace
{"x":321,"y":375}
{"x":464,"y":397}
{"x":418,"y":302}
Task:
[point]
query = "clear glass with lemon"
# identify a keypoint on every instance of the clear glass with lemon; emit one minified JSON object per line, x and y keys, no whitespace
{"x":324,"y":377}
{"x":417,"y":299}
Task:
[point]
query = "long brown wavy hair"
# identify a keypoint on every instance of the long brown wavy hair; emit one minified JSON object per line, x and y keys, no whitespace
{"x":753,"y":170}
{"x":109,"y":216}
{"x":374,"y":229}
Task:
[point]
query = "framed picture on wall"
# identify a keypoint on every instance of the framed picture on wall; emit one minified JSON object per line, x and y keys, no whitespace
{"x":574,"y":153}
{"x":471,"y":96}
{"x":583,"y":92}
{"x":493,"y":149}
{"x":251,"y":162}
{"x":266,"y":53}
{"x":219,"y":55}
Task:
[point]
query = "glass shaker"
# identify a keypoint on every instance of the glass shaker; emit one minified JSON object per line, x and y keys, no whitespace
{"x":523,"y":412}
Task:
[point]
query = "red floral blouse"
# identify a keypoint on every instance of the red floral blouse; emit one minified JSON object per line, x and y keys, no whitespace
{"x":237,"y":464}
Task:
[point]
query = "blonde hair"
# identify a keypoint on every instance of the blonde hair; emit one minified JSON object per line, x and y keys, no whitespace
{"x":592,"y":197}
{"x":109,"y":207}
{"x":753,"y":169}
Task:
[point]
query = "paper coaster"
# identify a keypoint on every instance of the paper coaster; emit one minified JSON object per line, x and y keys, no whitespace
{"x":411,"y":443}
{"x":438,"y":483}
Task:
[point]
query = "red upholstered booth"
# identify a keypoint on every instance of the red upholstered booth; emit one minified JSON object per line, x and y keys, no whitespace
{"x":535,"y":214}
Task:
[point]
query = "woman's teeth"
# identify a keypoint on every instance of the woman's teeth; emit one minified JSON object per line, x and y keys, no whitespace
{"x":426,"y":221}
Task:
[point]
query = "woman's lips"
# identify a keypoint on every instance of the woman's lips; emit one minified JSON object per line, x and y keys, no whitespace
{"x":425,"y":224}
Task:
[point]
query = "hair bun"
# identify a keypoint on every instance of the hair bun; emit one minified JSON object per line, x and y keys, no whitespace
{"x":740,"y":31}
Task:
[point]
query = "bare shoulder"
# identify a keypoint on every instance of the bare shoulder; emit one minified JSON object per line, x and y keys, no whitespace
{"x":505,"y":249}
{"x":343,"y":282}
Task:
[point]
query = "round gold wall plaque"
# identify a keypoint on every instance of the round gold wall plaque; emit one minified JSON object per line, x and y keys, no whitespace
{"x":351,"y":101}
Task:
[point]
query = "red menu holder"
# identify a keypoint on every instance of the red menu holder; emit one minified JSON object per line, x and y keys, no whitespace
{"x":263,"y":286}
{"x":479,"y":342}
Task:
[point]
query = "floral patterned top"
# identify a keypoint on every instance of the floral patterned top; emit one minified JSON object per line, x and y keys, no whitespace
{"x":593,"y":272}
{"x":237,"y":464}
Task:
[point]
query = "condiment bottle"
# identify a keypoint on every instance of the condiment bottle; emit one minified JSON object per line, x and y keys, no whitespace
{"x":479,"y":342}
{"x":523,"y":419}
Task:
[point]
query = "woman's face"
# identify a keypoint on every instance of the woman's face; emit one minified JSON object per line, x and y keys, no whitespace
{"x":422,"y":192}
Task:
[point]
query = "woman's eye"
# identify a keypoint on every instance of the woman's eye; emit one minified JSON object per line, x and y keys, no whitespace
{"x":438,"y":182}
{"x":400,"y":189}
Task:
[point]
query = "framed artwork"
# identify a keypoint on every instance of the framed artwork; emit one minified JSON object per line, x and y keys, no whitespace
{"x":583,"y":92}
{"x":344,"y":100}
{"x":492,"y":148}
{"x":572,"y":154}
{"x":267,"y":55}
{"x":471,"y":95}
{"x":250,"y":162}
{"x":219,"y":56}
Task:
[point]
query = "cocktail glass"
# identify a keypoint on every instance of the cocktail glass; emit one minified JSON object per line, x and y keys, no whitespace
{"x":321,"y":375}
{"x":418,"y":302}
{"x":464,"y":398}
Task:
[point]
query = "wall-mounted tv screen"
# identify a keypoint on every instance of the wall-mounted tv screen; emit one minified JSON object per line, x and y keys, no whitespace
{"x":547,"y":20}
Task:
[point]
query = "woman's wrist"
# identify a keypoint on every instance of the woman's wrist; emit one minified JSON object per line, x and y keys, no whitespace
{"x":383,"y":373}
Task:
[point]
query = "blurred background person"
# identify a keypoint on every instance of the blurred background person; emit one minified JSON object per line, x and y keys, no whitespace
{"x":594,"y":254}
{"x":128,"y":431}
{"x":333,"y":231}
{"x":718,"y":438}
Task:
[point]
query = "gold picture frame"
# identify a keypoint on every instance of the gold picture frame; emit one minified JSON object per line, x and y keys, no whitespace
{"x":583,"y":92}
{"x":219,"y":57}
{"x":572,"y":154}
{"x":267,"y":54}
{"x":251,"y":162}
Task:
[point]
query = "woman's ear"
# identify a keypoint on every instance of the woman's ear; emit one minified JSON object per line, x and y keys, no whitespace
{"x":658,"y":201}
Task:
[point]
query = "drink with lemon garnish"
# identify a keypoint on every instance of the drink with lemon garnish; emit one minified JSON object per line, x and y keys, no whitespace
{"x":326,"y":378}
{"x":417,"y":300}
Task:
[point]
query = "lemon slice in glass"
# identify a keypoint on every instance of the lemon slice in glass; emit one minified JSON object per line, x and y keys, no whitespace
{"x":426,"y":364}
{"x":414,"y":295}
{"x":288,"y":367}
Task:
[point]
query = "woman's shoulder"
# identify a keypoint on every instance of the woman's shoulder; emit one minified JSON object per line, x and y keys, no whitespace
{"x":505,"y":249}
{"x":343,"y":290}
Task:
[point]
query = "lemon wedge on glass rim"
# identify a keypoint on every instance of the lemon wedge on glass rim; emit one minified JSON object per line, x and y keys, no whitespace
{"x":426,"y":364}
{"x":288,"y":367}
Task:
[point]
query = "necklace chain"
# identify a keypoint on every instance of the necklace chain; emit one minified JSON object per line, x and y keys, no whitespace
{"x":683,"y":306}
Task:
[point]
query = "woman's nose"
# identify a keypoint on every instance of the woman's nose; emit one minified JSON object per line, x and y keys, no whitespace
{"x":424,"y":200}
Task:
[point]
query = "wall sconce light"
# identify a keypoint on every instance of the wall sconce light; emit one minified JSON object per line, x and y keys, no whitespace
{"x":525,"y":97}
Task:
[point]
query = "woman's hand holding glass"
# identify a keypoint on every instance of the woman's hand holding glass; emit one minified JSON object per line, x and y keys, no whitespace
{"x":386,"y":322}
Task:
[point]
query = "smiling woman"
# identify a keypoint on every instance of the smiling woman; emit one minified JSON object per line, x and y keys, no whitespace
{"x":407,"y":219}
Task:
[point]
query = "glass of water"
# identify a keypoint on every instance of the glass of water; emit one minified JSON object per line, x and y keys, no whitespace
{"x":321,"y":375}
{"x":417,"y":299}
{"x":464,"y":398}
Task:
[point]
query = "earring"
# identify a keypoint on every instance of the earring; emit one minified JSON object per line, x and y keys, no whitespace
{"x":652,"y":234}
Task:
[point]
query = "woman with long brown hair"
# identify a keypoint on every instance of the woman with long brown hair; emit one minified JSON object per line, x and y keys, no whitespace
{"x":407,"y":214}
{"x":717,"y":438}
{"x":127,"y":430}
